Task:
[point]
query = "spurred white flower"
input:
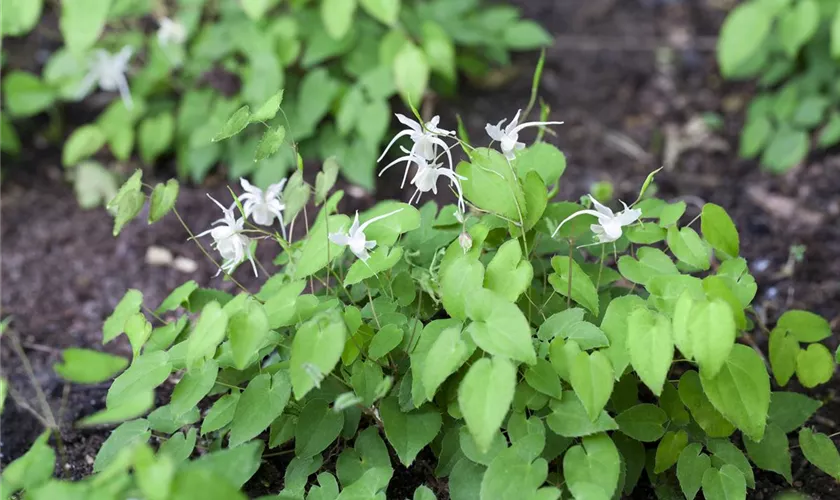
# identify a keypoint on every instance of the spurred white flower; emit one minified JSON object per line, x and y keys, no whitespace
{"x":355,"y":237}
{"x":229,"y":240}
{"x":508,"y":137}
{"x":108,"y":71}
{"x":427,"y":174}
{"x":170,"y":31}
{"x":608,"y":228}
{"x":426,"y":141}
{"x":263,"y":206}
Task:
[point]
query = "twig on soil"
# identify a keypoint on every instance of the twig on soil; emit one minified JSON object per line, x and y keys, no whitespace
{"x":39,"y":393}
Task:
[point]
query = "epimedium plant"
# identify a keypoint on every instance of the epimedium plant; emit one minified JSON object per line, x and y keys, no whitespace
{"x":539,"y":349}
{"x":344,"y":60}
{"x":791,"y":47}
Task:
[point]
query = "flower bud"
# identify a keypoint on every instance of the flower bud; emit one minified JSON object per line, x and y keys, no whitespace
{"x":465,"y":240}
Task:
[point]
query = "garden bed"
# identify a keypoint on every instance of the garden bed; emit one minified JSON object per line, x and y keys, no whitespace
{"x":627,"y":100}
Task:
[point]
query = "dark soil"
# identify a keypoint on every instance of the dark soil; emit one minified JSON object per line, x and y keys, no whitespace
{"x":627,"y":77}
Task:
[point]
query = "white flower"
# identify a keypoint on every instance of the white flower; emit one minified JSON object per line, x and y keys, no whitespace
{"x":263,"y":206}
{"x":229,"y":240}
{"x":355,"y":238}
{"x":465,"y":241}
{"x":608,"y":228}
{"x":509,"y":136}
{"x":426,"y":142}
{"x":427,"y":174}
{"x":171,"y":32}
{"x":108,"y":71}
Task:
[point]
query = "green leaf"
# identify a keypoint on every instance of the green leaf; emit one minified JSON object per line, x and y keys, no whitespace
{"x":651,"y":347}
{"x":408,"y":432}
{"x":632,"y":458}
{"x":270,"y":143}
{"x":726,"y":452}
{"x":85,"y":366}
{"x":458,"y":281}
{"x":525,"y":35}
{"x":325,"y":180}
{"x":470,"y":449}
{"x":643,"y":422}
{"x":235,"y":465}
{"x":318,"y":426}
{"x":248,"y":331}
{"x":651,"y":262}
{"x":424,"y":493}
{"x":784,"y":350}
{"x":221,"y":413}
{"x":592,"y":468}
{"x":569,"y":418}
{"x":81,"y":23}
{"x":615,"y":327}
{"x":209,"y":332}
{"x":820,"y":451}
{"x":726,"y":483}
{"x":439,"y":48}
{"x":129,"y":406}
{"x":256,"y":9}
{"x":25,"y":94}
{"x":790,"y":410}
{"x":125,"y":436}
{"x":447,"y":354}
{"x":514,"y":473}
{"x":411,"y":73}
{"x":582,"y":289}
{"x":317,"y":346}
{"x":20,"y":16}
{"x":797,"y":24}
{"x":691,"y":466}
{"x":384,"y":11}
{"x":33,"y":468}
{"x":499,"y":327}
{"x":162,"y":200}
{"x":484,"y":397}
{"x":176,"y":298}
{"x":268,"y":109}
{"x":179,"y":446}
{"x":465,"y":480}
{"x":787,"y":148}
{"x":805,"y":326}
{"x":491,"y":185}
{"x":754,"y":136}
{"x":263,"y":400}
{"x":317,"y":251}
{"x":741,"y":391}
{"x":592,"y":379}
{"x":544,"y":378}
{"x":835,"y":35}
{"x":126,"y":205}
{"x":195,"y":483}
{"x":814,"y":365}
{"x":830,"y":134}
{"x":145,"y":373}
{"x":771,"y":453}
{"x":156,"y":135}
{"x":386,"y":231}
{"x":704,"y":331}
{"x":192,"y":388}
{"x":719,"y":230}
{"x":82,"y":143}
{"x":544,"y":159}
{"x":337,"y":16}
{"x":669,"y":449}
{"x":687,"y":246}
{"x":707,"y":417}
{"x":385,"y":341}
{"x":508,"y":274}
{"x":741,"y":37}
{"x":235,"y":124}
{"x":810,"y":112}
{"x":670,"y":213}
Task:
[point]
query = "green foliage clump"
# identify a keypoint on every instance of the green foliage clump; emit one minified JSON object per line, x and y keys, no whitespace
{"x":343,"y":60}
{"x":791,"y":47}
{"x":541,"y":349}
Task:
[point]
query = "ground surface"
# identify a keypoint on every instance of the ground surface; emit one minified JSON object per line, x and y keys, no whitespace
{"x":631,"y":79}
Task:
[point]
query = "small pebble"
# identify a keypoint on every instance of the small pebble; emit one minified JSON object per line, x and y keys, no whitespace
{"x":158,"y":256}
{"x":185,"y":265}
{"x":761,"y":265}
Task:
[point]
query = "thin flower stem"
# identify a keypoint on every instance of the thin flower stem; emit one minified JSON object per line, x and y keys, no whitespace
{"x":600,"y":269}
{"x":306,"y":224}
{"x":27,"y":366}
{"x":22,"y":403}
{"x":569,"y":288}
{"x":373,"y":309}
{"x":154,"y":314}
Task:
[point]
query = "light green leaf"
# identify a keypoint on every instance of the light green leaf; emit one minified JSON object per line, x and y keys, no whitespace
{"x":94,"y":184}
{"x":337,"y":16}
{"x":544,"y":378}
{"x":439,"y":48}
{"x":821,"y":451}
{"x":234,"y":465}
{"x":771,"y":453}
{"x":458,"y":282}
{"x":318,"y":426}
{"x":514,"y":473}
{"x":408,"y":432}
{"x":20,"y":16}
{"x":209,"y":332}
{"x":384,"y":11}
{"x":582,"y":289}
{"x":592,"y":379}
{"x":256,"y":9}
{"x":669,"y":449}
{"x":221,"y":413}
{"x":268,"y":109}
{"x":525,"y":34}
{"x":643,"y":422}
{"x":651,"y":347}
{"x":691,"y":466}
{"x":484,"y":397}
{"x":499,"y":327}
{"x":470,"y":449}
{"x":145,"y":373}
{"x":726,"y":452}
{"x":707,"y":417}
{"x":508,"y":274}
{"x":138,"y":330}
{"x":805,"y":326}
{"x":385,"y":341}
{"x":24,"y":94}
{"x":317,"y":251}
{"x":465,"y":480}
{"x":193,"y":387}
{"x":814,"y":365}
{"x":424,"y":493}
{"x":325,"y":180}
{"x":381,"y":259}
{"x":592,"y":468}
{"x":797,"y":24}
{"x":790,"y":410}
{"x":128,"y":407}
{"x":162,"y":200}
{"x":784,"y":351}
{"x":569,"y":419}
{"x":491,"y":185}
{"x":725,"y":484}
{"x":448,"y":353}
{"x":155,"y":137}
{"x":82,"y":143}
{"x":687,"y":246}
{"x":179,"y":446}
{"x":614,"y":325}
{"x":754,"y":136}
{"x":317,"y":346}
{"x":153,"y":474}
{"x":719,"y":230}
{"x":704,"y":331}
{"x":411,"y":73}
{"x":81,"y":23}
{"x":742,"y":36}
{"x":125,"y":436}
{"x":33,"y":468}
{"x":741,"y":391}
{"x":651,"y":262}
{"x":544,"y":159}
{"x":271,"y":141}
{"x":248,"y":331}
{"x":835,"y":35}
{"x":263,"y":400}
{"x":85,"y":366}
{"x":787,"y":148}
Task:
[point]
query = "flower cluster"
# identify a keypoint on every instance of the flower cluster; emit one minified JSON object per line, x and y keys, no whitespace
{"x":108,"y":72}
{"x":608,"y":229}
